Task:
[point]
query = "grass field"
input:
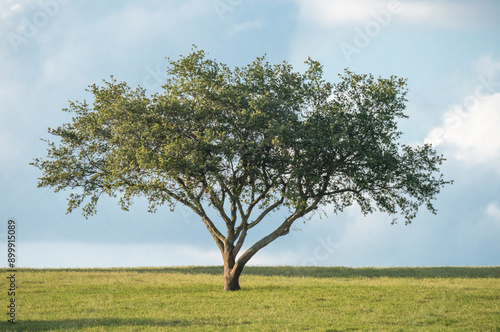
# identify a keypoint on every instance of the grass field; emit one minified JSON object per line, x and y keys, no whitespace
{"x":271,"y":299}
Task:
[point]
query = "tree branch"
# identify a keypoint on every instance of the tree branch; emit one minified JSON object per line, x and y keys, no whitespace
{"x":241,"y":240}
{"x":216,"y":234}
{"x":218,"y":203}
{"x":265,"y":212}
{"x":197,"y":207}
{"x":283,"y":229}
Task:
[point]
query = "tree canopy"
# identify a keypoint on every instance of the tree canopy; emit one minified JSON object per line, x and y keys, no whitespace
{"x":245,"y":142}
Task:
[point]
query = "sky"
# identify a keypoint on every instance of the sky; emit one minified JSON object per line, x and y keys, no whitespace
{"x":52,"y":50}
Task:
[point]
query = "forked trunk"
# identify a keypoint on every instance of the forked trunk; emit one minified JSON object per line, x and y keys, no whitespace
{"x":232,"y":273}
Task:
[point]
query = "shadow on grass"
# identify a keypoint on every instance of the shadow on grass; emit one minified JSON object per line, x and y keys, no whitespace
{"x":79,"y":324}
{"x":317,"y":272}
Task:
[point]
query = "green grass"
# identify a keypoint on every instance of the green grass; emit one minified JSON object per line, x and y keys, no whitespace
{"x":272,"y":299}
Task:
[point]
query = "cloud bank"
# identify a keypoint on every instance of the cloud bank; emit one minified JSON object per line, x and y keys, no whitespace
{"x":471,"y":129}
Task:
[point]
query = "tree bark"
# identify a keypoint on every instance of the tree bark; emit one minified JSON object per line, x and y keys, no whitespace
{"x":231,"y":280}
{"x":232,"y":272}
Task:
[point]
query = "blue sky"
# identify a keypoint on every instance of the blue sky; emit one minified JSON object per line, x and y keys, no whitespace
{"x":51,"y":50}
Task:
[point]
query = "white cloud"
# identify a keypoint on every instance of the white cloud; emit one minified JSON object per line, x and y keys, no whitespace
{"x":245,"y":26}
{"x":486,"y":66}
{"x":267,"y":257}
{"x":88,"y":255}
{"x":10,"y":18}
{"x":334,"y":12}
{"x":493,"y":211}
{"x":473,"y":134}
{"x":127,"y":35}
{"x":8,"y":7}
{"x":471,"y":129}
{"x":329,"y":13}
{"x":81,"y":255}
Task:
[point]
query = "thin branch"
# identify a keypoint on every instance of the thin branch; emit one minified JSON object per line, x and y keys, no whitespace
{"x":216,"y":234}
{"x":198,"y":209}
{"x":241,"y":240}
{"x":283,"y":229}
{"x":265,"y":212}
{"x":218,"y":203}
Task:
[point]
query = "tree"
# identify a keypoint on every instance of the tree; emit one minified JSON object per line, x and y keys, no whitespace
{"x":245,"y":142}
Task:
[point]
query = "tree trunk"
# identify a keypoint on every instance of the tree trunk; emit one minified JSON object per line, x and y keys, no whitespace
{"x":232,"y":272}
{"x":231,"y":280}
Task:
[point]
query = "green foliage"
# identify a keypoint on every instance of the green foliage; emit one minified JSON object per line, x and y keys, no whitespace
{"x":317,"y":299}
{"x":253,"y":137}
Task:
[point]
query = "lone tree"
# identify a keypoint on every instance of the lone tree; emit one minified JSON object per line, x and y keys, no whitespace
{"x":244,"y":141}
